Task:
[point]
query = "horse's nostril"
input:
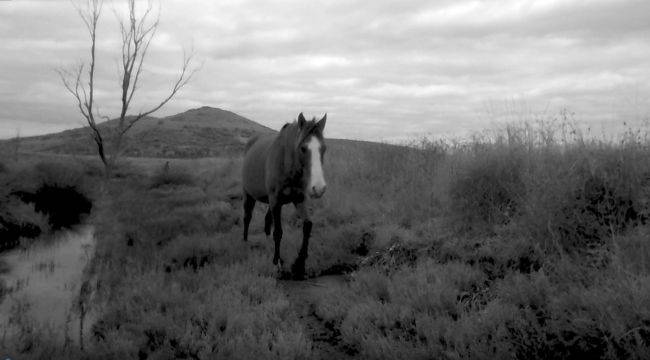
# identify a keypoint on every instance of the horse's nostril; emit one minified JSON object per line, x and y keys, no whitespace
{"x":317,"y":191}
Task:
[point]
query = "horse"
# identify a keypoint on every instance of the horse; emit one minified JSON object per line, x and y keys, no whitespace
{"x":281,"y":169}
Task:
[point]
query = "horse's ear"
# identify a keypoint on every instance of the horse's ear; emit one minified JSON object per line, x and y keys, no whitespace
{"x":321,"y":123}
{"x":301,"y":120}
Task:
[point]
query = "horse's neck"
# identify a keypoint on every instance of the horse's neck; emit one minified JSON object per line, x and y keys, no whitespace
{"x":291,"y":170}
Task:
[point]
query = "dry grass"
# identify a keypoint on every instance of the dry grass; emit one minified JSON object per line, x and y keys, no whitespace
{"x":526,"y":242}
{"x":533,"y":245}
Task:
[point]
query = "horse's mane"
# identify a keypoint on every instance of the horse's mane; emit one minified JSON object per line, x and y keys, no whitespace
{"x":310,"y":126}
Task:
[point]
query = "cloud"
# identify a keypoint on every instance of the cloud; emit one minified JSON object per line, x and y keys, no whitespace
{"x":381,"y":69}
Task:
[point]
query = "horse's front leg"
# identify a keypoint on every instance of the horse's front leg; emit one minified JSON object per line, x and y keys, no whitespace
{"x":298,"y":268}
{"x":249,"y":205}
{"x":268,"y":223}
{"x":276,"y":210}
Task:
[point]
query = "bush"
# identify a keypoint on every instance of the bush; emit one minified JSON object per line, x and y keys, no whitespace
{"x":390,"y":317}
{"x":488,"y":189}
{"x":17,"y":220}
{"x":153,"y":218}
{"x":596,"y":212}
{"x":188,"y":287}
{"x":60,"y":174}
{"x":42,"y":197}
{"x":632,"y":251}
{"x":495,"y":256}
{"x":229,"y":312}
{"x":599,"y":320}
{"x":452,"y":310}
{"x":583,"y":196}
{"x":49,"y":199}
{"x":168,"y":176}
{"x":56,"y":189}
{"x":566,"y":195}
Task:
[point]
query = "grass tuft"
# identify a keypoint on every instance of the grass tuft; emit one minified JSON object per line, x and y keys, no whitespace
{"x":171,"y":176}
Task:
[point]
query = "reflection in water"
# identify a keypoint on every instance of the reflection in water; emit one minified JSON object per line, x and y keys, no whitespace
{"x":43,"y":282}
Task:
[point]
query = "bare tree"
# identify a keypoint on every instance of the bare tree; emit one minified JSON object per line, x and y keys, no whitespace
{"x":136,"y":31}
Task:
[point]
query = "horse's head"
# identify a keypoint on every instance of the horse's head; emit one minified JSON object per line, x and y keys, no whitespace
{"x":310,"y":149}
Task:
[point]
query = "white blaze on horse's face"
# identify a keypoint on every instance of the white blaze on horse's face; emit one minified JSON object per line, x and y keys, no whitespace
{"x":316,"y":185}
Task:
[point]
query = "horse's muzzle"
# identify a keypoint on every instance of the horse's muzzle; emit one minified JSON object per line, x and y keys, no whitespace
{"x":316,"y":192}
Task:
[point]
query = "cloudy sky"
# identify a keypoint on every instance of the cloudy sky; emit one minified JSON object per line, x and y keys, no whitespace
{"x":380,"y":69}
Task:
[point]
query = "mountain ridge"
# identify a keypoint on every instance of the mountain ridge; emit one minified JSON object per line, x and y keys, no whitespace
{"x":200,"y":132}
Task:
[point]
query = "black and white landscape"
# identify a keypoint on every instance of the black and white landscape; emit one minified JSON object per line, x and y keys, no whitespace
{"x":430,"y":180}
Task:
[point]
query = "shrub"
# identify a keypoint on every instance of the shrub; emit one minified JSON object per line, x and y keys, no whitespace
{"x":188,"y":286}
{"x":150,"y":219}
{"x":582,"y":197}
{"x":171,"y":176}
{"x":63,"y":205}
{"x":402,"y":316}
{"x":17,"y":220}
{"x":40,"y":198}
{"x":60,"y":174}
{"x":59,"y":190}
{"x":488,"y":188}
{"x":369,"y":180}
{"x":632,"y":251}
{"x":599,"y":210}
{"x":332,"y":251}
{"x":436,"y":310}
{"x":229,"y":312}
{"x":599,"y":320}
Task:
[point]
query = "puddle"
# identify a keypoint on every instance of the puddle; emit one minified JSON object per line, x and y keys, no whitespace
{"x":43,"y":282}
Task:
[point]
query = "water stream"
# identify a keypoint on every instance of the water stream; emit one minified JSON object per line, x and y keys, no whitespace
{"x":42,"y":283}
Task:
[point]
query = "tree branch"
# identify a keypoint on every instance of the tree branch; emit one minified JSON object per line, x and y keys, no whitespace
{"x":137,"y":33}
{"x":182,"y":80}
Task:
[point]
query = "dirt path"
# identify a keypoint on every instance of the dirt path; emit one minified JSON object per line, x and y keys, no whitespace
{"x":302,"y":295}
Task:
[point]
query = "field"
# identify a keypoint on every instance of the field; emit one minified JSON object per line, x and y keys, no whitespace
{"x":528,"y":242}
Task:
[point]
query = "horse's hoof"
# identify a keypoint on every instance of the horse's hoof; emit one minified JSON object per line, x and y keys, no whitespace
{"x":298,"y":275}
{"x":298,"y":271}
{"x":278,"y":261}
{"x":280,"y":270}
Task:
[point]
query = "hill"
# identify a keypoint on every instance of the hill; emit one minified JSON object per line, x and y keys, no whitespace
{"x":202,"y":132}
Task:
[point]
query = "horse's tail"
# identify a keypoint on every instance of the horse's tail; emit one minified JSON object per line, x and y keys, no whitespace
{"x":250,"y":143}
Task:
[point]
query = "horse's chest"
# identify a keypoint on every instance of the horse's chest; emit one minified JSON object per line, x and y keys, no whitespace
{"x":292,"y":194}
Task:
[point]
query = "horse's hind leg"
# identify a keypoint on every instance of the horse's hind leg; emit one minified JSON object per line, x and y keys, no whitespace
{"x":249,"y":204}
{"x":268,"y":222}
{"x":276,"y":209}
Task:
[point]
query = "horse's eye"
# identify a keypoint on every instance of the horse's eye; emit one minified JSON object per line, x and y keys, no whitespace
{"x":303,"y":149}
